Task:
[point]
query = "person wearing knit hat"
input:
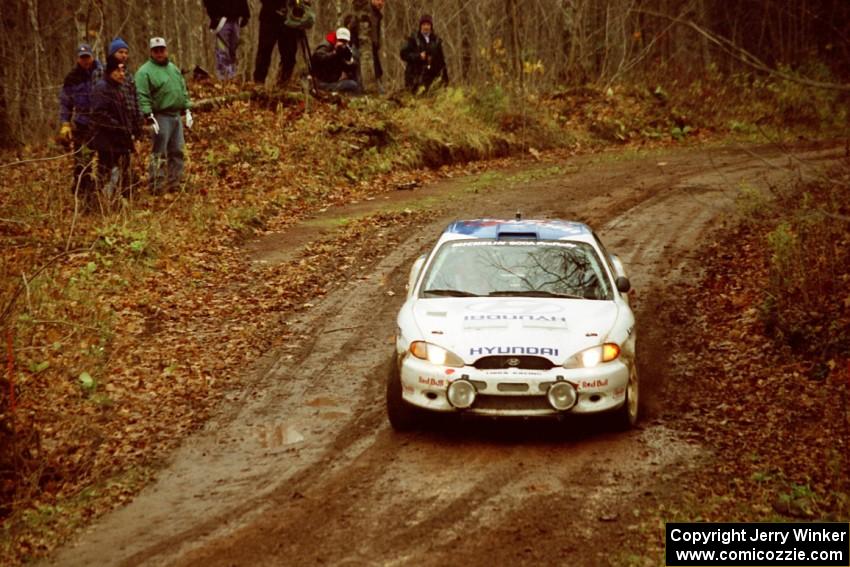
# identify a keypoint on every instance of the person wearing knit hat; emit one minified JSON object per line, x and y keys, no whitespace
{"x":113,"y":130}
{"x":119,"y":50}
{"x":117,"y":44}
{"x":424,"y":59}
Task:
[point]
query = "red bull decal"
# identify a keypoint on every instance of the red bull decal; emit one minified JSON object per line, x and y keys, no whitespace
{"x":586,"y":384}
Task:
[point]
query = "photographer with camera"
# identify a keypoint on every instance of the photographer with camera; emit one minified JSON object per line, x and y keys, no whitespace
{"x":336,"y":63}
{"x":282,"y":23}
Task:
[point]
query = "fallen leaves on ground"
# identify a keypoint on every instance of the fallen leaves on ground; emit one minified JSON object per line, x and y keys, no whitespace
{"x":777,"y":430}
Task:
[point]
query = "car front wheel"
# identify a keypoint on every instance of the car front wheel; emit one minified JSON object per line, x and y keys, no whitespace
{"x":402,"y":415}
{"x":626,"y":416}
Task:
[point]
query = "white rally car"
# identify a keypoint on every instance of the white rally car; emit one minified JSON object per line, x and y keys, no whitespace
{"x":515,"y":318}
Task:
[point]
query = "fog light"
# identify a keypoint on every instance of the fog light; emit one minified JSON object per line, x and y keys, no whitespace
{"x":562,"y":396}
{"x":461,"y":394}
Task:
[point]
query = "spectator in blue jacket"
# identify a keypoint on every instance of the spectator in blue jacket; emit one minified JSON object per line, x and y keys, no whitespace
{"x":75,"y":115}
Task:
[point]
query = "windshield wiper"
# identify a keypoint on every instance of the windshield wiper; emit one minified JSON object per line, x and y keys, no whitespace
{"x":533,"y":293}
{"x":451,"y":292}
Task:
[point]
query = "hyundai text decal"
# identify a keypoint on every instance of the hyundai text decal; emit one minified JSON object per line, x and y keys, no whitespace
{"x":513,"y":350}
{"x":497,"y":317}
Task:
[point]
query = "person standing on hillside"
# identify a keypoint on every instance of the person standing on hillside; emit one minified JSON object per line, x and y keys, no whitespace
{"x":424,"y":58}
{"x":163,"y":96}
{"x":364,"y":21}
{"x":114,"y":126}
{"x":282,"y":23}
{"x":226,"y":17}
{"x":75,"y":116}
{"x":119,"y":50}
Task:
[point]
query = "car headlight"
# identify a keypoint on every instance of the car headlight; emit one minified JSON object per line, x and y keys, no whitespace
{"x":461,"y":394}
{"x":435,"y":354}
{"x":594,"y":356}
{"x":562,"y":395}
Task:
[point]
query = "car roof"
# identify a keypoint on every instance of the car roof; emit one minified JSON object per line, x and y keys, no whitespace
{"x":510,"y":228}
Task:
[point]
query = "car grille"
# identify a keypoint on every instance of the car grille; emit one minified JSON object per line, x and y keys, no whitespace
{"x":484,"y":402}
{"x":524,"y":362}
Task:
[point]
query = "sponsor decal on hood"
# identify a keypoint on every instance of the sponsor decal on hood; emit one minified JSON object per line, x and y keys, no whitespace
{"x":496,"y":350}
{"x":551,"y":328}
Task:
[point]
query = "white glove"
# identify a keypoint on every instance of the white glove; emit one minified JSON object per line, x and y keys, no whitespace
{"x":154,"y":123}
{"x":189,"y":119}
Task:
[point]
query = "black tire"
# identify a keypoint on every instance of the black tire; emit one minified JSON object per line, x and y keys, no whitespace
{"x":402,"y":415}
{"x":626,"y":416}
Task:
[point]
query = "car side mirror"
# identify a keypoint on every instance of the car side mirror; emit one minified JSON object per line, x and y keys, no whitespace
{"x":414,"y":273}
{"x":623,"y":284}
{"x":618,"y":265}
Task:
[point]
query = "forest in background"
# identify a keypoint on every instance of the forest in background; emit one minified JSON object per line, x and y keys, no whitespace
{"x":539,"y":45}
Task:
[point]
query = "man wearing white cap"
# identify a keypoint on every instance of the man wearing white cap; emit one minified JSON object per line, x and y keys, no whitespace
{"x":163,"y":97}
{"x":336,"y":63}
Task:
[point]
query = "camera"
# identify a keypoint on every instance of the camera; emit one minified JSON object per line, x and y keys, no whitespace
{"x":297,"y":10}
{"x":345,"y":52}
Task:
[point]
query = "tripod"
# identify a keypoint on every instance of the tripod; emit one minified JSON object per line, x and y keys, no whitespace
{"x":304,"y":46}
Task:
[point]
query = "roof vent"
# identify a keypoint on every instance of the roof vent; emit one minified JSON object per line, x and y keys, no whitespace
{"x":516,"y":234}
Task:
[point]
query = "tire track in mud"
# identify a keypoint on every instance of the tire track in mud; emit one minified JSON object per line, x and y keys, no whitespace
{"x":250,"y":451}
{"x":306,"y":469}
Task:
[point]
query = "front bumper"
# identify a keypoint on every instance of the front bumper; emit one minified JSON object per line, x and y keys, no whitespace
{"x":514,"y":392}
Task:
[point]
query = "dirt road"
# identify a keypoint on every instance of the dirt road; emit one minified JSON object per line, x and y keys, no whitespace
{"x":302,"y":467}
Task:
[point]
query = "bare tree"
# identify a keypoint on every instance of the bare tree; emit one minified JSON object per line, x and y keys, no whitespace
{"x":564,"y":42}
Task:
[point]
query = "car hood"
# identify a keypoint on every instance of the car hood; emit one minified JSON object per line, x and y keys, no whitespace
{"x":553,"y":328}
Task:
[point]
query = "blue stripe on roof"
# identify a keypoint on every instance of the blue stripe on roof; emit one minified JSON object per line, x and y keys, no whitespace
{"x":491,"y":228}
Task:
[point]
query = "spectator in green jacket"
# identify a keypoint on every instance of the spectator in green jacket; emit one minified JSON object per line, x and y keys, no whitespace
{"x":163,"y":97}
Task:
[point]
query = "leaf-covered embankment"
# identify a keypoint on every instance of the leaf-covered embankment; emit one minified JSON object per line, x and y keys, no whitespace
{"x":761,"y":377}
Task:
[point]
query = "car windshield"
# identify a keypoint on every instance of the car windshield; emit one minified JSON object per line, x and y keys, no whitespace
{"x":522,"y":268}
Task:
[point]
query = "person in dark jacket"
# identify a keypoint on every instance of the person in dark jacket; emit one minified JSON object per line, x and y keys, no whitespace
{"x":424,"y":58}
{"x":75,"y":115}
{"x":226,"y":17}
{"x":113,"y":127}
{"x":274,"y":30}
{"x":119,"y":49}
{"x":335,"y":63}
{"x":364,"y":21}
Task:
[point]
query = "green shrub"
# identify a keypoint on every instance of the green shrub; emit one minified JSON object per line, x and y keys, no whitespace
{"x":807,"y":298}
